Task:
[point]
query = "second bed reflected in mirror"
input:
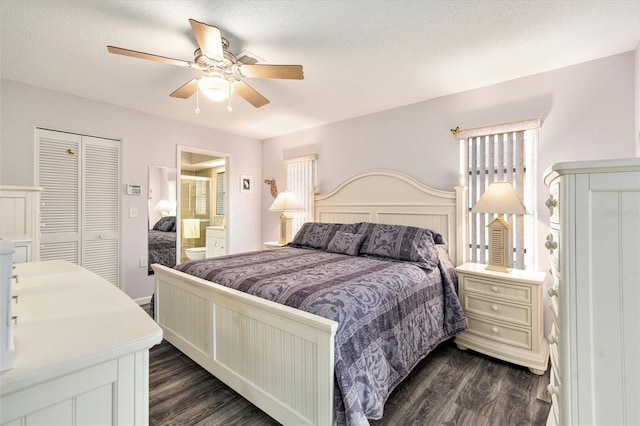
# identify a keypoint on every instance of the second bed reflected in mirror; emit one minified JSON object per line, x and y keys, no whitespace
{"x":161,"y":211}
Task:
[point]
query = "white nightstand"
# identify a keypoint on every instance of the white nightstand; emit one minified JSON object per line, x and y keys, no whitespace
{"x":504,"y":315}
{"x":273,"y":244}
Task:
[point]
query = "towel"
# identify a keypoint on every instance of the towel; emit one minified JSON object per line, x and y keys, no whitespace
{"x":191,"y":228}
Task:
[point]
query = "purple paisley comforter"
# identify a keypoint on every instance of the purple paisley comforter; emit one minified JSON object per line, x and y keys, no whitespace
{"x":162,"y":248}
{"x":390,"y":314}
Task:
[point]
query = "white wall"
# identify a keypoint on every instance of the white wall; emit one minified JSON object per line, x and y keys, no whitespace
{"x":637,"y":92}
{"x":146,"y":140}
{"x":586,"y":110}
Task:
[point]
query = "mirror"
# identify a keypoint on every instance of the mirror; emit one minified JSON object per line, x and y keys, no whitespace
{"x":203,"y":205}
{"x":161,"y":212}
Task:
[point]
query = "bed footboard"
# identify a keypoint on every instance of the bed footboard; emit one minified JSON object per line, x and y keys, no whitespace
{"x":279,"y":358}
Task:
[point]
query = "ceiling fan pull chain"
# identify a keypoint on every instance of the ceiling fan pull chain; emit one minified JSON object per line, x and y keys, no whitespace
{"x":197,"y":101}
{"x":229,"y":104}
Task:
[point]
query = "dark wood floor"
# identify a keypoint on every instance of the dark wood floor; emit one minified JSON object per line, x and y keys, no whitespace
{"x":449,"y":387}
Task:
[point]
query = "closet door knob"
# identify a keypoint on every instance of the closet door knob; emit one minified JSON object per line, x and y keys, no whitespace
{"x":552,"y":339}
{"x":553,"y":390}
{"x":553,"y":291}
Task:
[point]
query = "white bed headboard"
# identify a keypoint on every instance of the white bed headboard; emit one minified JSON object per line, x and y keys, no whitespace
{"x":384,"y":196}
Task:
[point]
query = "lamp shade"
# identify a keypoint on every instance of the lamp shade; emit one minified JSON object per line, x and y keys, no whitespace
{"x":163,"y":206}
{"x":286,"y":201}
{"x":501,"y":198}
{"x":215,"y":88}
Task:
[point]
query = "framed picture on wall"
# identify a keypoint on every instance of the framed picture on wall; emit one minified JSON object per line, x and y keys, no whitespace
{"x":246,"y":183}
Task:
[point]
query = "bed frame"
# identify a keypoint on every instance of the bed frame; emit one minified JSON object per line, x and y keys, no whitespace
{"x":280,"y":358}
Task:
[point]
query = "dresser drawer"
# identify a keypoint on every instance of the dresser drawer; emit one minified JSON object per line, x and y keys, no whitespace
{"x":553,"y":203}
{"x":553,"y":340}
{"x":495,"y":309}
{"x":488,"y":287}
{"x":554,"y":391}
{"x":513,"y":336}
{"x":552,"y":244}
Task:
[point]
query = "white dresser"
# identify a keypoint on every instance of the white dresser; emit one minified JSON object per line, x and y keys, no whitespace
{"x":594,"y":244}
{"x":20,"y":221}
{"x":81,"y":350}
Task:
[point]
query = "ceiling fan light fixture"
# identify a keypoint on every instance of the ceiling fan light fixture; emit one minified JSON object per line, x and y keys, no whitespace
{"x":215,"y":88}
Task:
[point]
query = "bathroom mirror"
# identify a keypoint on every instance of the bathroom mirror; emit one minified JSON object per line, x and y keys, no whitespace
{"x":202,"y":206}
{"x":161,"y":212}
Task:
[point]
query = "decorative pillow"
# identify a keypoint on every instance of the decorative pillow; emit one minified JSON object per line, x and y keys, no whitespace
{"x":345,"y":243}
{"x":318,"y":234}
{"x":400,"y":242}
{"x":166,"y":224}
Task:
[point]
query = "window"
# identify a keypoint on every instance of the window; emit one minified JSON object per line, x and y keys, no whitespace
{"x":301,"y":180}
{"x":220,"y":195}
{"x":507,"y":153}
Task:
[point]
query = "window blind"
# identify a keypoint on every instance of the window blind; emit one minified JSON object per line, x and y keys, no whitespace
{"x":507,"y":153}
{"x":301,"y":180}
{"x":220,"y":195}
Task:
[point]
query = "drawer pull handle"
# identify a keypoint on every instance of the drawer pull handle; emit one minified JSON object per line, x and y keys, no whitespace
{"x":552,"y":339}
{"x":494,"y":330}
{"x":495,"y":308}
{"x":550,"y":203}
{"x":15,"y":277}
{"x":14,"y":318}
{"x":550,"y":244}
{"x":553,"y":390}
{"x":495,"y":289}
{"x":553,"y":291}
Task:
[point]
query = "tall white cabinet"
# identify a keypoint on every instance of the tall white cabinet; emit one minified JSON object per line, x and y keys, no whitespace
{"x":594,"y":246}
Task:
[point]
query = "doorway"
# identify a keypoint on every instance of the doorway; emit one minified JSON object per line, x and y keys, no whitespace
{"x":202,"y":202}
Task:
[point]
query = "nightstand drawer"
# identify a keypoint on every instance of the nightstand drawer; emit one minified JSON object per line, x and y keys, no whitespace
{"x":513,"y":336}
{"x":491,"y":288}
{"x":515,"y":314}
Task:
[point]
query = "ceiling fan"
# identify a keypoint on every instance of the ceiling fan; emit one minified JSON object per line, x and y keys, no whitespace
{"x":222,"y":71}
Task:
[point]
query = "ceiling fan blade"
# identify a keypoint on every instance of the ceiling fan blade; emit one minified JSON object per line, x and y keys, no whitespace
{"x":186,"y":90}
{"x":293,"y":72}
{"x":250,"y":94}
{"x":149,"y":56}
{"x":209,"y":39}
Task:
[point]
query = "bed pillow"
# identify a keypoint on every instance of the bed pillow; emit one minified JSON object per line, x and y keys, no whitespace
{"x":166,"y":224}
{"x":400,"y":242}
{"x":345,"y":243}
{"x":318,"y":235}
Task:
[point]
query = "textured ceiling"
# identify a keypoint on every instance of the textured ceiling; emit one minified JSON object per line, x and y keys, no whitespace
{"x":359,"y":56}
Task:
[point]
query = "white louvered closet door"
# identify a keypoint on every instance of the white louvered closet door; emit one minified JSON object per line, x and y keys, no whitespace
{"x":101,"y":207}
{"x":59,"y":175}
{"x":80,"y":204}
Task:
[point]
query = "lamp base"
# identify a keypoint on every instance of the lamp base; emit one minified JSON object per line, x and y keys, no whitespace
{"x":285,"y":228}
{"x":497,"y":268}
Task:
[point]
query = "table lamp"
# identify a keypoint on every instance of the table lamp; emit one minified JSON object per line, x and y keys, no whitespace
{"x":285,"y":202}
{"x":163,"y":207}
{"x":499,"y":198}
